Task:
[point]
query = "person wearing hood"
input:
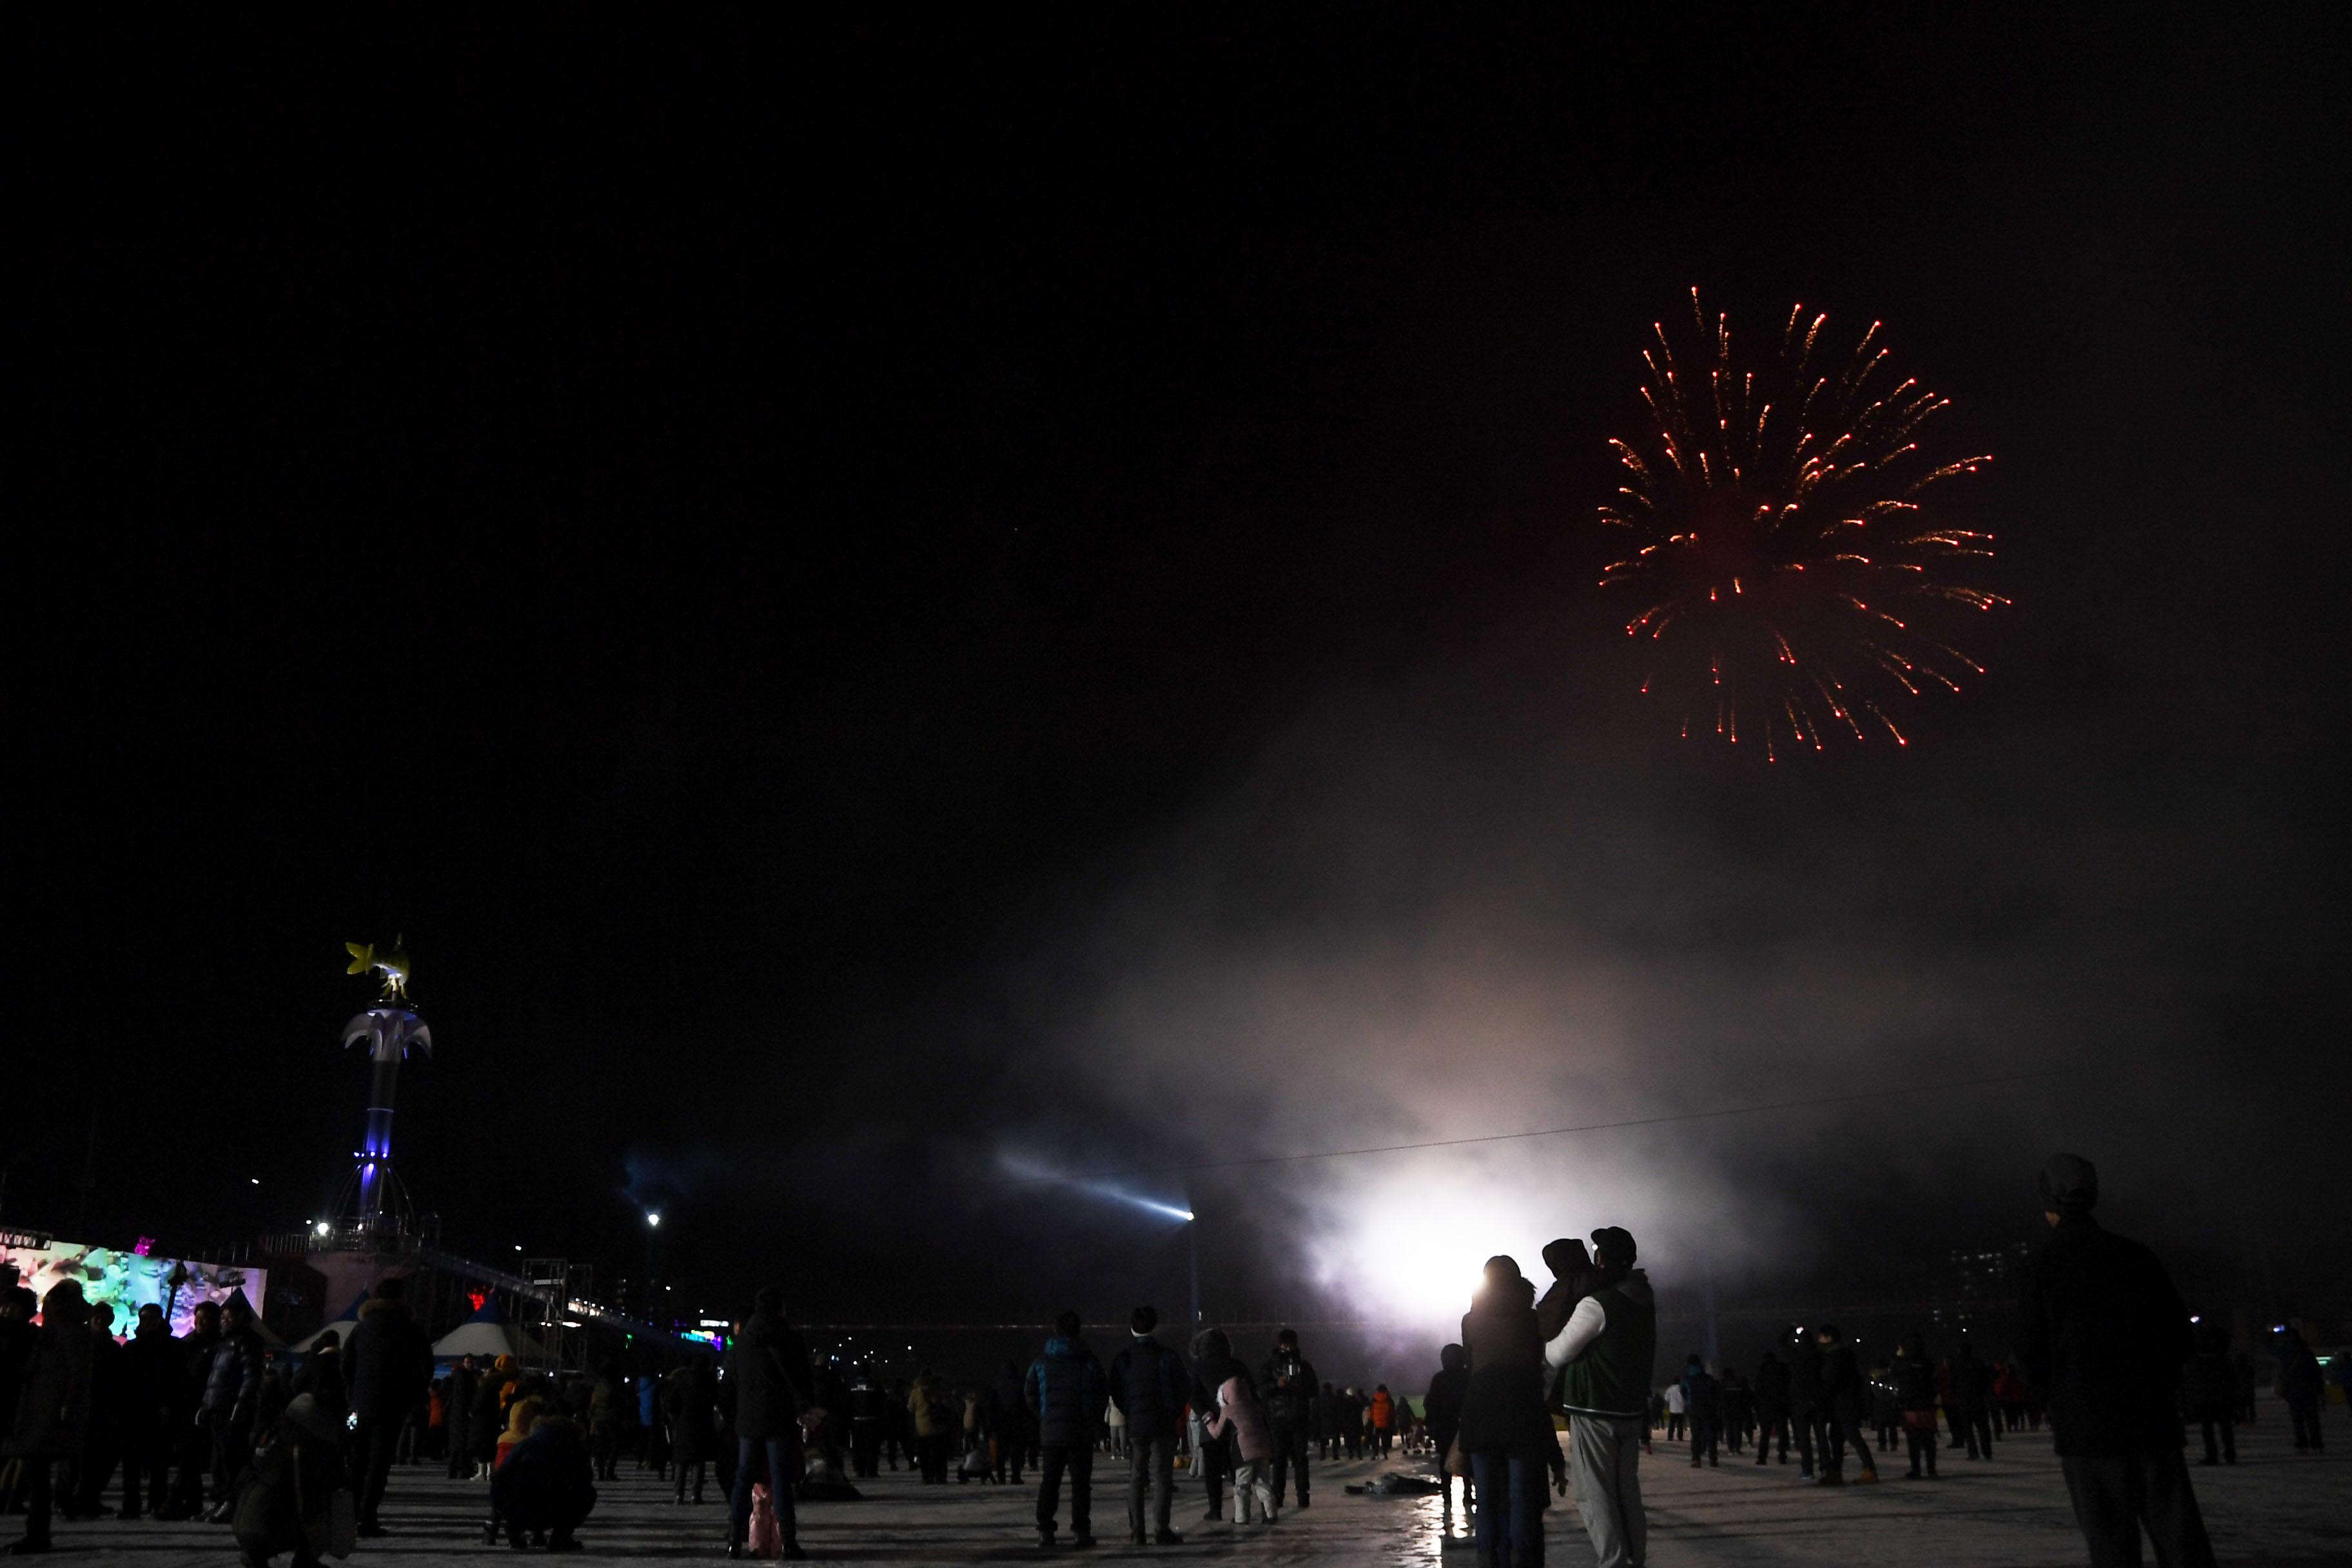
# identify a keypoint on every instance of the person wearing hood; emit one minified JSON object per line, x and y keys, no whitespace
{"x":1012,"y":1426}
{"x":1148,"y":1381}
{"x":1066,"y":1393}
{"x":1703,"y":1402}
{"x":772,"y":1380}
{"x":52,"y":1417}
{"x":286,"y":1501}
{"x":1609,"y":1349}
{"x":544,"y":1489}
{"x":1286,"y":1388}
{"x":1506,"y":1426}
{"x":389,"y":1367}
{"x":321,"y":1377}
{"x":1441,"y":1409}
{"x":2104,"y":1335}
{"x":1772,"y":1396}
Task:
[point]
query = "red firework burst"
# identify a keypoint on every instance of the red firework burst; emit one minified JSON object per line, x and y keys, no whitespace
{"x":1792,"y":586}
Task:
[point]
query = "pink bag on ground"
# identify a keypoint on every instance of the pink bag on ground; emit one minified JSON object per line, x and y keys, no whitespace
{"x":767,"y":1535}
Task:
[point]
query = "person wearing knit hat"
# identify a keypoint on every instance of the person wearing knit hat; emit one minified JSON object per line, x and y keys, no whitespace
{"x":2103,"y":1335}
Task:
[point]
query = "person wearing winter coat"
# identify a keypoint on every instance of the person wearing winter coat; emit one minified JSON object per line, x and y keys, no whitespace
{"x":151,"y":1377}
{"x":1972,"y":1395}
{"x":322,"y":1378}
{"x":390,"y":1366}
{"x":1212,"y":1362}
{"x":1840,"y":1408}
{"x":1066,"y":1392}
{"x":770,"y":1373}
{"x":1015,"y":1436}
{"x":458,"y":1399}
{"x":1238,"y":1417}
{"x":545,"y":1486}
{"x":1506,"y":1424}
{"x":186,"y":1434}
{"x":604,"y":1411}
{"x":1771,"y":1396}
{"x":928,"y":1416}
{"x":689,"y":1398}
{"x":81,"y":1486}
{"x":285,"y":1497}
{"x":232,"y":1402}
{"x":2206,"y":1389}
{"x":1608,"y":1349}
{"x":51,"y":1422}
{"x":2103,"y":1334}
{"x":1703,"y":1402}
{"x":1441,"y":1409}
{"x":2302,"y":1386}
{"x":489,"y":1414}
{"x":1809,"y":1408}
{"x":1149,"y":1384}
{"x":1915,"y":1390}
{"x":1285,"y":1386}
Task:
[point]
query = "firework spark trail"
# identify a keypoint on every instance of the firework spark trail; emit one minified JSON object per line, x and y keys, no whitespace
{"x":1786,"y":552}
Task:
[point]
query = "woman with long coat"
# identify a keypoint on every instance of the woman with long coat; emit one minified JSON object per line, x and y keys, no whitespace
{"x":1506,"y":1430}
{"x":53,"y":1405}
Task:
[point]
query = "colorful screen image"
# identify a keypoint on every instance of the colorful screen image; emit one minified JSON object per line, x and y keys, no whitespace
{"x":128,"y":1281}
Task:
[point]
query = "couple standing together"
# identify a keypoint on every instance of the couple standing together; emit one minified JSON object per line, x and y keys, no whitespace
{"x":1586,"y":1348}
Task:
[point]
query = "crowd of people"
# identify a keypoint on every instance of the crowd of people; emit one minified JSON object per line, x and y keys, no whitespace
{"x":215,"y":1425}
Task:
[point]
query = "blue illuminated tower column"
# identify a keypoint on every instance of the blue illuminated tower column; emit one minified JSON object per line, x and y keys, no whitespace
{"x":387,"y":1032}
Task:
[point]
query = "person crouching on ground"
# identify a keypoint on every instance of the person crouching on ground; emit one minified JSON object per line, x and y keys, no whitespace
{"x":545,"y":1486}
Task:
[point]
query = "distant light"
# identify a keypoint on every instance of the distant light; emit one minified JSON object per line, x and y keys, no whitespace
{"x":2195,"y":1319}
{"x":518,"y":1246}
{"x":573,"y":1323}
{"x":653,"y":1216}
{"x":1187,"y":1215}
{"x":322,"y":1227}
{"x":255,"y":1180}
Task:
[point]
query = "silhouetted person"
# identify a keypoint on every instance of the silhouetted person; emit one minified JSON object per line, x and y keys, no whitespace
{"x":151,"y":1381}
{"x":547,"y":1487}
{"x":51,"y":1419}
{"x":2206,"y":1389}
{"x":1506,"y":1426}
{"x":690,"y":1407}
{"x":1066,"y":1392}
{"x":102,"y":1444}
{"x":1806,"y":1411}
{"x":2104,"y":1335}
{"x":289,"y":1487}
{"x":232,"y":1401}
{"x":768,"y":1370}
{"x":1151,"y":1384}
{"x":1771,"y":1407}
{"x":1972,"y":1395}
{"x":2302,"y":1386}
{"x":391,"y":1365}
{"x":1703,"y":1404}
{"x":1441,"y":1409}
{"x":1609,"y":1349}
{"x":1841,"y":1407}
{"x":458,"y":1416}
{"x":1914,"y":1391}
{"x":1285,"y":1387}
{"x":1213,"y":1364}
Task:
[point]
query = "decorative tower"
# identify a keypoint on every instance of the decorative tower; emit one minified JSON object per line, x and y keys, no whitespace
{"x":376,"y":1204}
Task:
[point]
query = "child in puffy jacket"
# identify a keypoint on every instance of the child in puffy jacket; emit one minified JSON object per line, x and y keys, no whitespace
{"x":1239,"y":1411}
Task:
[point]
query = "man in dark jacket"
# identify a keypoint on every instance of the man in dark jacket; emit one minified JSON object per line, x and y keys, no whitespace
{"x":1066,"y":1393}
{"x":1608,"y":1347}
{"x":52,"y":1415}
{"x":1702,"y":1402}
{"x":1286,"y":1386}
{"x":2302,"y":1386}
{"x":1771,"y":1407}
{"x":1150,"y":1385}
{"x":1972,"y":1397}
{"x":458,"y":1416}
{"x":2104,"y":1335}
{"x":2207,"y":1389}
{"x":231,"y":1401}
{"x":768,"y":1372}
{"x":1442,"y":1409}
{"x":389,"y":1366}
{"x":1011,"y":1408}
{"x":191,"y":1441}
{"x":151,"y":1367}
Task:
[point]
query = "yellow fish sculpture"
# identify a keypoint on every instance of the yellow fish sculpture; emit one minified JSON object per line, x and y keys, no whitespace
{"x":392,"y":964}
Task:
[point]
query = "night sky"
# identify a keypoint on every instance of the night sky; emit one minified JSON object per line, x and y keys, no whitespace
{"x":879,"y":603}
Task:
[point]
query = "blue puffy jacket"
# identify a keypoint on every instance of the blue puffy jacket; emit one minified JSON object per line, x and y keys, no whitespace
{"x":1064,"y":1391}
{"x":1150,"y":1385}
